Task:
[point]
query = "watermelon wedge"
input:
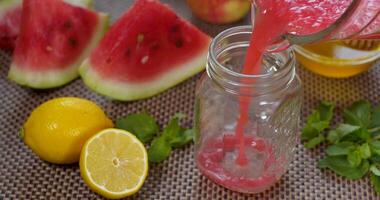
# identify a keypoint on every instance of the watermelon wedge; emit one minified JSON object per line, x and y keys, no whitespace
{"x":54,"y":39}
{"x":10,"y":20}
{"x":146,"y":51}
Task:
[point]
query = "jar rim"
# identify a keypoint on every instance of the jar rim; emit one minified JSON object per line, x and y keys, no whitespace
{"x":239,"y":30}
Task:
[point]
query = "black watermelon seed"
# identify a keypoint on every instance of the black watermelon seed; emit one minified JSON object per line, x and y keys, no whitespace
{"x":175,"y":28}
{"x":128,"y":52}
{"x":155,"y":46}
{"x":67,"y":24}
{"x":72,"y":41}
{"x":179,"y":43}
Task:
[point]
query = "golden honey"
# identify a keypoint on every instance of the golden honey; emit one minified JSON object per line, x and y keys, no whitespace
{"x":339,"y":59}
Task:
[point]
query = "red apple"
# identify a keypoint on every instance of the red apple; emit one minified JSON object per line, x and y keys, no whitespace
{"x":220,"y":11}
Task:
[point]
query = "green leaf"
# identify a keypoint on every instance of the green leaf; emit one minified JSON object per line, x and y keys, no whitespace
{"x":365,"y":151}
{"x":317,"y":122}
{"x":341,"y":131}
{"x":364,"y":135}
{"x":375,"y":147}
{"x":320,"y":126}
{"x":354,"y":158}
{"x":183,"y":137}
{"x":375,"y":181}
{"x":358,"y":136}
{"x":309,"y":131}
{"x":326,"y":110}
{"x":175,"y":135}
{"x":359,"y":113}
{"x":342,"y":148}
{"x":159,"y":150}
{"x":341,"y":166}
{"x":375,"y":159}
{"x":315,"y":141}
{"x":333,"y":136}
{"x":142,"y":125}
{"x":375,"y":121}
{"x":374,"y":170}
{"x":172,"y":129}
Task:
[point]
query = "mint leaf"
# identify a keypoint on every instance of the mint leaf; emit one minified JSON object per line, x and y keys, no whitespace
{"x":359,"y":113}
{"x":173,"y":136}
{"x":326,"y":111}
{"x":375,"y":158}
{"x":342,"y":148}
{"x":309,"y":131}
{"x":159,"y":150}
{"x":375,"y":147}
{"x":142,"y":125}
{"x":365,"y":151}
{"x":341,"y":166}
{"x":341,"y":131}
{"x":315,"y":141}
{"x":176,"y":135}
{"x":375,"y":121}
{"x":316,"y":123}
{"x":172,"y":129}
{"x":183,"y":137}
{"x":354,"y":158}
{"x":374,"y":170}
{"x":333,"y":136}
{"x":358,"y":136}
{"x":375,"y":181}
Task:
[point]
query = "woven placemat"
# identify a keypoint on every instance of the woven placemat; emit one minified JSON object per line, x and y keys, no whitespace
{"x":24,"y":176}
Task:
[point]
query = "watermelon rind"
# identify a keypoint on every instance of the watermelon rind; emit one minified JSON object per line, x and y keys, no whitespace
{"x":6,"y":5}
{"x":133,"y":91}
{"x":56,"y":78}
{"x":80,"y":3}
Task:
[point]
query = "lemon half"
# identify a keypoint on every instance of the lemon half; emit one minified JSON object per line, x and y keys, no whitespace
{"x":114,"y":163}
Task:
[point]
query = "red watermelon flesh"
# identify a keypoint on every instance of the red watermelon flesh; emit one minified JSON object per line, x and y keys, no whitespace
{"x":54,"y":38}
{"x":61,"y":42}
{"x":10,"y":20}
{"x":142,"y":47}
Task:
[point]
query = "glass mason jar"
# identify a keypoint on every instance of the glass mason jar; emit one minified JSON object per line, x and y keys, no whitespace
{"x":270,"y":102}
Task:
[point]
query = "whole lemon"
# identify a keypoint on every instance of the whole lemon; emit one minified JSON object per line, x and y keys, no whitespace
{"x":57,"y":129}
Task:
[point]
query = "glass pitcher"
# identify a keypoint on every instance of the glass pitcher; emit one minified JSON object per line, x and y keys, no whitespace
{"x":360,"y":19}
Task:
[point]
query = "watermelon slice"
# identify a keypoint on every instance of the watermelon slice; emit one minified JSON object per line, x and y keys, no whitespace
{"x":10,"y":20}
{"x":54,"y":39}
{"x":148,"y":50}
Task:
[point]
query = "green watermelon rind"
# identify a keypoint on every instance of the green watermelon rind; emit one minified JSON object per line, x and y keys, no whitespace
{"x":80,"y":3}
{"x":134,"y":91}
{"x":6,"y":5}
{"x":57,"y":78}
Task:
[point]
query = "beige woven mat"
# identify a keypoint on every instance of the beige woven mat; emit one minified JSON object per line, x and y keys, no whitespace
{"x":24,"y":176}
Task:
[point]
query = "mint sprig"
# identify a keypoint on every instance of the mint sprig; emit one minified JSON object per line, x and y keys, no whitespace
{"x":145,"y":127}
{"x":317,"y":122}
{"x":354,"y":146}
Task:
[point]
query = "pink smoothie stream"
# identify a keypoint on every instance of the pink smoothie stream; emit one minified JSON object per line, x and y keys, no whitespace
{"x":273,"y":19}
